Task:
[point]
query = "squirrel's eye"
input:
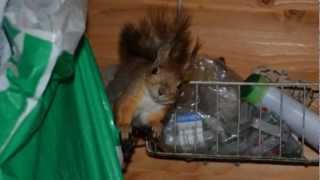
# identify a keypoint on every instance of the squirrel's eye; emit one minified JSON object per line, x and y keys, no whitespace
{"x":155,"y":71}
{"x":160,"y":92}
{"x":180,"y":84}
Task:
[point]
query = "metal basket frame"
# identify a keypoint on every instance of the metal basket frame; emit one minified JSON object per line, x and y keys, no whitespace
{"x":153,"y":150}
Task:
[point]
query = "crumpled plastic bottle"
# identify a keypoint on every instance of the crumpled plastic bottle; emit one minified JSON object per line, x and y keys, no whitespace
{"x":208,"y":123}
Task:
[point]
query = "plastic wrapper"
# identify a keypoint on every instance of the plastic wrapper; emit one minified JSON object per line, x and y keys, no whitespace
{"x":61,"y":22}
{"x":206,"y":119}
{"x":55,"y":118}
{"x":39,"y":37}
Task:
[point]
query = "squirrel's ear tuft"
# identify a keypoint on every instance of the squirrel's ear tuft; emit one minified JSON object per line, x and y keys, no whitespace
{"x":195,"y":49}
{"x":162,"y":57}
{"x":193,"y":56}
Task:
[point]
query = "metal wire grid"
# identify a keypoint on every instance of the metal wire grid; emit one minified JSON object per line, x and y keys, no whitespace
{"x":153,"y":147}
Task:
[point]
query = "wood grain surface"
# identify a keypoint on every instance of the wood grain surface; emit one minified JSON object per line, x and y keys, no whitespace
{"x":248,"y":33}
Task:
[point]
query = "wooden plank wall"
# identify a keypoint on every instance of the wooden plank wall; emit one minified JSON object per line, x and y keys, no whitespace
{"x":248,"y":33}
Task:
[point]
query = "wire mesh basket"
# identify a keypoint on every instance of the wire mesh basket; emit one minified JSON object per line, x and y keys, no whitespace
{"x":305,"y":93}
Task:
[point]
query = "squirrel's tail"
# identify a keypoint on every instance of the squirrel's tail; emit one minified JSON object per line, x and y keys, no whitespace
{"x":162,"y":35}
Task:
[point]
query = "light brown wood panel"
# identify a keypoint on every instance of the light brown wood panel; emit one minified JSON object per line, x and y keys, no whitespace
{"x":269,"y":41}
{"x":248,"y":33}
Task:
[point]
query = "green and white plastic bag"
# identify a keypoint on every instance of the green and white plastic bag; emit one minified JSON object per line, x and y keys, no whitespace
{"x":55,"y":120}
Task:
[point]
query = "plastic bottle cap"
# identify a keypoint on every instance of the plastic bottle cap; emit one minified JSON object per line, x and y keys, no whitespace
{"x":254,"y":93}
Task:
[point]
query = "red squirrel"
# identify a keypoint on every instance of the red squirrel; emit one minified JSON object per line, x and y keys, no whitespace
{"x":152,"y":55}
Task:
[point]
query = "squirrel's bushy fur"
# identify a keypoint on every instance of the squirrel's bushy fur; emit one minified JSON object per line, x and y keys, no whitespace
{"x":152,"y":56}
{"x":160,"y":28}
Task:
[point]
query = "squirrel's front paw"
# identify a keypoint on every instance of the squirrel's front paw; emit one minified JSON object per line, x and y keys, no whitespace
{"x":156,"y":130}
{"x":143,"y":131}
{"x":126,"y":131}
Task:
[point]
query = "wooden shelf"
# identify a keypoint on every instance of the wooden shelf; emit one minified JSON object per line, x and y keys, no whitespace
{"x":144,"y":167}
